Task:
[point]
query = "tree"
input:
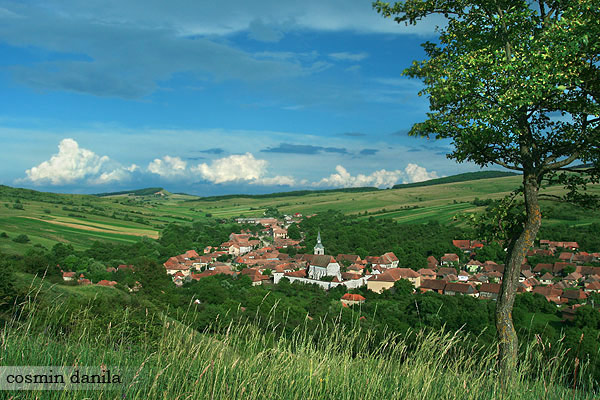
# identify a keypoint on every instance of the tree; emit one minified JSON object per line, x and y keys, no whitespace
{"x":294,"y":232}
{"x":514,"y":83}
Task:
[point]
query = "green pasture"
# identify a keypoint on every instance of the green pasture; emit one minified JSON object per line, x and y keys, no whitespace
{"x":126,"y":217}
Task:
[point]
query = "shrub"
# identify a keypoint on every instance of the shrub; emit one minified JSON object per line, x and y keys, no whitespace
{"x":22,"y":238}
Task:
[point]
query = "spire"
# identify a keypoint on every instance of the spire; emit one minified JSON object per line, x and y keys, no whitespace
{"x":319,"y":249}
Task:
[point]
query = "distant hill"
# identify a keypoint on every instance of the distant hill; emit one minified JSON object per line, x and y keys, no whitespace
{"x":138,"y":192}
{"x":289,"y":194}
{"x":468,"y":176}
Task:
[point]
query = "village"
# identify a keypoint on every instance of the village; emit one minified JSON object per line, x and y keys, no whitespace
{"x":567,"y":282}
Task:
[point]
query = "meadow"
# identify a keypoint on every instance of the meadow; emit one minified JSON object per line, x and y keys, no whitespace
{"x":331,"y":361}
{"x":48,"y":218}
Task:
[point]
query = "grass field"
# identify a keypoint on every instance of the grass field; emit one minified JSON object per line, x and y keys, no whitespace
{"x":242,"y":362}
{"x":48,"y":218}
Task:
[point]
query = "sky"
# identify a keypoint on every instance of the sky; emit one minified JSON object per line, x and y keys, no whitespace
{"x":211,"y":98}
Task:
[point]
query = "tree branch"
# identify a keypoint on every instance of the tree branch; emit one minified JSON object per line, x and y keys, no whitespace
{"x":506,"y":165}
{"x":559,"y":164}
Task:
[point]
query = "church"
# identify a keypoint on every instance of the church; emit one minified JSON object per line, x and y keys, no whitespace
{"x":321,"y":265}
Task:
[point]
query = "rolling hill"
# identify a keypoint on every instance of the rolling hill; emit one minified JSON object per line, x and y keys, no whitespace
{"x":48,"y":218}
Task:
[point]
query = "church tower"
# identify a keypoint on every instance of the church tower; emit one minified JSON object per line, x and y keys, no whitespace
{"x":319,"y":249}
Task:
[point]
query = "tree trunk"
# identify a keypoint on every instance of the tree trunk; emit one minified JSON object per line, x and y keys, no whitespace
{"x":507,"y":336}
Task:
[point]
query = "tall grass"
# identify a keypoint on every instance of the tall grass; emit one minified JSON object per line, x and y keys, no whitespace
{"x":243,"y":361}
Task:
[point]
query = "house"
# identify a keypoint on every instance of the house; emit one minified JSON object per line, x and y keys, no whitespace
{"x":565,"y":256}
{"x":473,"y":266}
{"x":463,"y":276}
{"x":445,"y":271}
{"x":593,"y":287}
{"x":464,"y":245}
{"x":279,"y":233}
{"x":489,"y":290}
{"x":255,"y":275}
{"x":124,"y":267}
{"x":427,"y":273}
{"x":450,"y":259}
{"x":432,"y":285}
{"x":541,"y":267}
{"x":84,"y":282}
{"x":322,"y":265}
{"x":546,"y":279}
{"x":68,"y":276}
{"x":525,"y":274}
{"x":432,"y":262}
{"x":574,"y":295}
{"x":104,"y":282}
{"x":454,"y":288}
{"x":550,"y":293}
{"x":356,"y":269}
{"x":379,"y":283}
{"x":559,"y":266}
{"x":350,"y":299}
{"x":573,"y":278}
{"x":390,"y":259}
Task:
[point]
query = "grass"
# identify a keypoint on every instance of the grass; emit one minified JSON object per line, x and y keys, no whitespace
{"x":48,"y":218}
{"x":244,"y":362}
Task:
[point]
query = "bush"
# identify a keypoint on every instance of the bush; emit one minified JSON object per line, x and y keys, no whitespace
{"x":4,"y":235}
{"x":22,"y":238}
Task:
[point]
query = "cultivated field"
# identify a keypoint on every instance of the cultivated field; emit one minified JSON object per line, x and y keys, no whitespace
{"x":48,"y":218}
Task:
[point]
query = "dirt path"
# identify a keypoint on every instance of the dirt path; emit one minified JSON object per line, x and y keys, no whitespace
{"x":150,"y":234}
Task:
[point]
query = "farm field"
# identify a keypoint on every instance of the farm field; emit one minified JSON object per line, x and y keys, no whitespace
{"x":48,"y":218}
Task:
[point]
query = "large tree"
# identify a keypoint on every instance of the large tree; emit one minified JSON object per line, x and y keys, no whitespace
{"x":514,"y":83}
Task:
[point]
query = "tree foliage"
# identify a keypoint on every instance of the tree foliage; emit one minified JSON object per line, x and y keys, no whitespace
{"x":514,"y":83}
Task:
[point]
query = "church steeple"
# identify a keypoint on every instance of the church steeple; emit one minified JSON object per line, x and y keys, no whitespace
{"x":319,"y":249}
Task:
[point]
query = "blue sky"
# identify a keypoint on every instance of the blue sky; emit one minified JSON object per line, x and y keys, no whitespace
{"x":210,"y":97}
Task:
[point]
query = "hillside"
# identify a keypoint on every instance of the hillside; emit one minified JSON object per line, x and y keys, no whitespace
{"x":47,"y":218}
{"x":161,"y":357}
{"x":468,"y":176}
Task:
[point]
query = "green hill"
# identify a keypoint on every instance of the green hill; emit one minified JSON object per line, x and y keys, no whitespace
{"x":48,"y":218}
{"x":468,"y":176}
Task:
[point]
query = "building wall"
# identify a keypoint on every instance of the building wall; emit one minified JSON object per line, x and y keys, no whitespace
{"x":379,"y":286}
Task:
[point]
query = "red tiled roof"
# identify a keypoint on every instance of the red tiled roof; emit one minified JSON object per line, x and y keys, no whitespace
{"x":353,"y":297}
{"x":490,"y":288}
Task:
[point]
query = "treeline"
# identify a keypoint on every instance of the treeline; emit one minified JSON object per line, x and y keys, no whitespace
{"x":287,"y":194}
{"x":138,"y":192}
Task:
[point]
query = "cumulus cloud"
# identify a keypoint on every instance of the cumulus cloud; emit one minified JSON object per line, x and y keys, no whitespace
{"x":240,"y":168}
{"x":275,"y":181}
{"x":342,"y":178}
{"x":381,"y":179}
{"x":168,"y":167}
{"x":234,"y":168}
{"x":415,"y":173}
{"x":116,"y":175}
{"x":69,"y":165}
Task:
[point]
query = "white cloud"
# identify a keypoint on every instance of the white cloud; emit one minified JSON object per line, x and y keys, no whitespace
{"x":381,"y":179}
{"x":275,"y":181}
{"x":116,"y":175}
{"x":234,"y":168}
{"x":71,"y":164}
{"x":241,"y":168}
{"x":168,"y":167}
{"x":345,"y":56}
{"x":342,"y":178}
{"x":414,"y":173}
